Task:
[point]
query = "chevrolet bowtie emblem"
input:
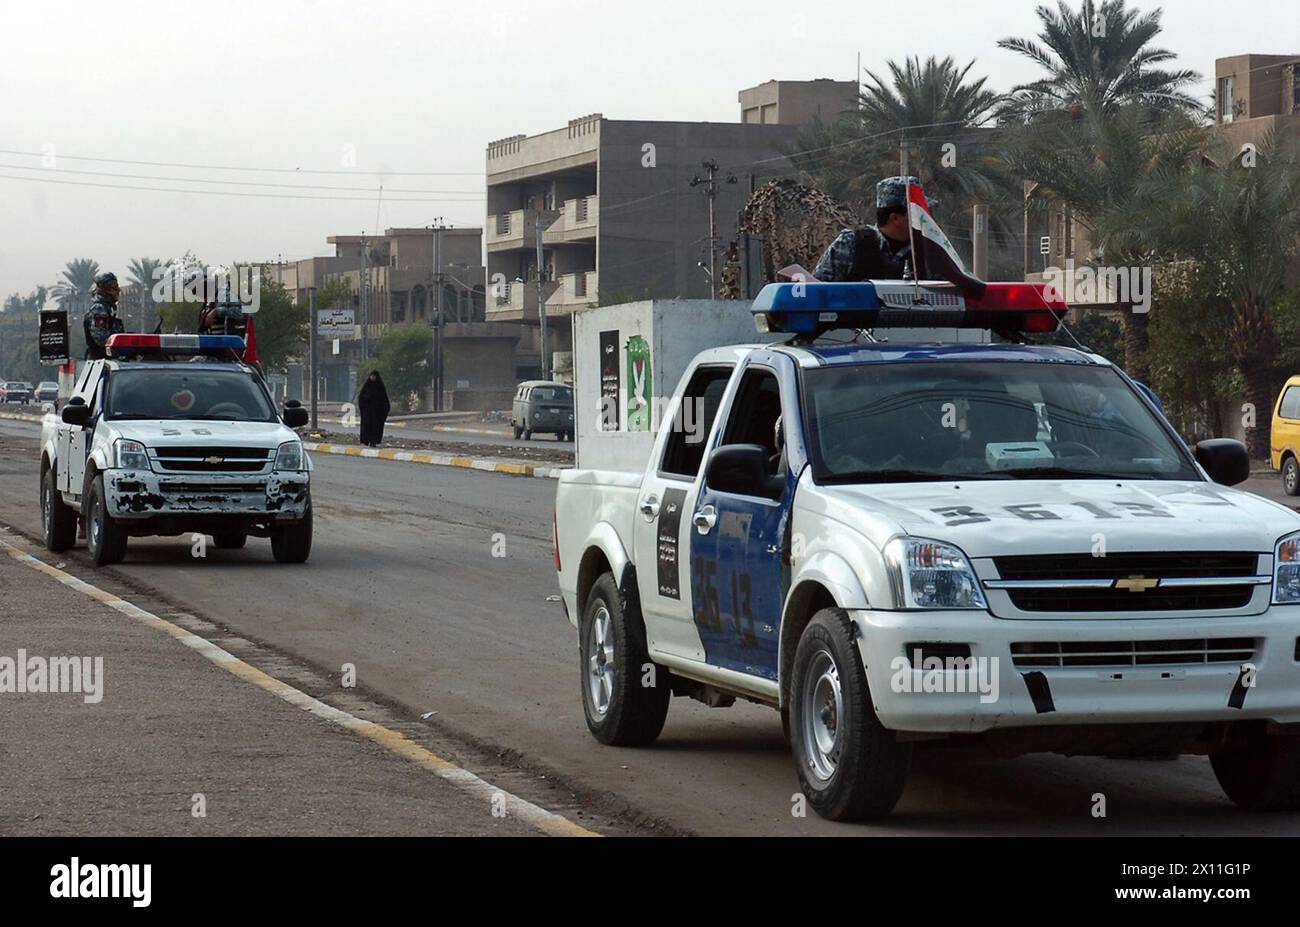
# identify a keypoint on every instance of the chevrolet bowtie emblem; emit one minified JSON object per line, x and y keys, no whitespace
{"x":1136,"y":583}
{"x":214,"y":460}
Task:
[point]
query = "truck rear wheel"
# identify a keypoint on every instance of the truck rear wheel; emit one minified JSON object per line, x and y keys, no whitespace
{"x":624,"y":696}
{"x":105,"y":538}
{"x":1291,"y":477}
{"x":58,"y":522}
{"x":849,"y":766}
{"x":1260,"y":773}
{"x":292,"y":543}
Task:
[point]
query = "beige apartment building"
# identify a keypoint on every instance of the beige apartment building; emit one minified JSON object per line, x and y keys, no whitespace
{"x":413,"y":276}
{"x":619,"y":219}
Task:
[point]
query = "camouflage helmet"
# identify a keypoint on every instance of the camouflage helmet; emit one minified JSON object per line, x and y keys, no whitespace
{"x":892,"y":191}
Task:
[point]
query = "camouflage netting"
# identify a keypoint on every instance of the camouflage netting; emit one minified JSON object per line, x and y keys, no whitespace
{"x":793,"y":222}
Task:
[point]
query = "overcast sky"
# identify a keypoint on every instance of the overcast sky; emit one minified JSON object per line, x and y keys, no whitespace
{"x":417,"y":87}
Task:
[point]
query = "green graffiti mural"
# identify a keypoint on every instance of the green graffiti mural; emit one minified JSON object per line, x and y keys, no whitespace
{"x":638,"y":384}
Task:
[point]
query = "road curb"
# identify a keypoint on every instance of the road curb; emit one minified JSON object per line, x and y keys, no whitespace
{"x":22,"y":417}
{"x":512,"y":468}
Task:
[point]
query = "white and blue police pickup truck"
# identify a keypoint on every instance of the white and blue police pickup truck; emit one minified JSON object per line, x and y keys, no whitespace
{"x":893,"y":543}
{"x":171,"y":435}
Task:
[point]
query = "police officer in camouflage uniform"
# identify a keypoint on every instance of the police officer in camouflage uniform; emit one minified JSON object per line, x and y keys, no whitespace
{"x":877,"y":252}
{"x":101,"y":318}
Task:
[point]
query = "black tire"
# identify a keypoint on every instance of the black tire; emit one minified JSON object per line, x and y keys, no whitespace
{"x":865,"y":774}
{"x":1291,"y":477}
{"x":105,"y":539}
{"x":633,"y":713}
{"x":292,"y":543}
{"x":1260,"y":773}
{"x":785,"y":724}
{"x":230,"y":540}
{"x":58,"y":522}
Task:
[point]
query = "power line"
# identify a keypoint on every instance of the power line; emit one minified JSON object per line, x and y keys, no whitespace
{"x":227,"y":167}
{"x":241,"y":183}
{"x":291,"y":196}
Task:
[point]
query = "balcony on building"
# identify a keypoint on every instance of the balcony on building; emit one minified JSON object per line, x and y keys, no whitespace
{"x":577,"y":221}
{"x":574,"y":291}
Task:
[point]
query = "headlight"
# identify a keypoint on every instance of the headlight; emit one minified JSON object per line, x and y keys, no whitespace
{"x":1286,"y":570}
{"x":289,"y":456}
{"x":131,"y":455}
{"x":929,"y":574}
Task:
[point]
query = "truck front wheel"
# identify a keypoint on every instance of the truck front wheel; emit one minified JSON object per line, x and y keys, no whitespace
{"x":105,"y":538}
{"x":849,"y":766}
{"x":624,"y":695}
{"x":292,"y":543}
{"x":58,"y":522}
{"x":1260,"y":772}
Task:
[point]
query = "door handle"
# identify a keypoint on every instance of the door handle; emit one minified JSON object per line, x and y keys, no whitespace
{"x":705,"y":519}
{"x":650,"y":507}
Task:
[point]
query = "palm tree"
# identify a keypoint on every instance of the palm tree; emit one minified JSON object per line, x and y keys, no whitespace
{"x":1239,"y":217}
{"x":1098,"y":56}
{"x":1112,"y":172}
{"x":77,"y":285}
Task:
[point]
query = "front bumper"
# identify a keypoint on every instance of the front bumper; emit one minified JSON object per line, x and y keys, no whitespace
{"x":1000,"y":694}
{"x":138,"y":494}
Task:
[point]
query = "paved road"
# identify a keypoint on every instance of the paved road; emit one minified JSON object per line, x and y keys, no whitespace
{"x":413,"y":430}
{"x":404,"y":584}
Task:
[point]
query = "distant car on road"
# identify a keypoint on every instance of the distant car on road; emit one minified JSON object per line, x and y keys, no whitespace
{"x":16,"y":391}
{"x":47,"y":391}
{"x":1284,"y":436}
{"x":542,"y":406}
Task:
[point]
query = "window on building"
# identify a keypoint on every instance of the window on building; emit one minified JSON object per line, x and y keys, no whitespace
{"x":1225,"y":99}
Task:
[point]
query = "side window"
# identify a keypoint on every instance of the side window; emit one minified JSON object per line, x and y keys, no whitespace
{"x":90,"y":382}
{"x":755,"y":415}
{"x":690,"y":431}
{"x":1290,"y":403}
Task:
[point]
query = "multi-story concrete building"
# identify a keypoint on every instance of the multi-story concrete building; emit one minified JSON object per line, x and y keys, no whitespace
{"x":795,"y":102}
{"x":623,"y":207}
{"x":413,"y":276}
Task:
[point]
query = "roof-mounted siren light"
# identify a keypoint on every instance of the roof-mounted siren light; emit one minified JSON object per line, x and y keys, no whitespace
{"x":133,"y":345}
{"x":810,"y":308}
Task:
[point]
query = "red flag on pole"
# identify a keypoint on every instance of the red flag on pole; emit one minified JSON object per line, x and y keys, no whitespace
{"x":250,"y":341}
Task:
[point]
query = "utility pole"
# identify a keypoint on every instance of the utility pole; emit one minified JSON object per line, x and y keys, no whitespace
{"x":311,"y":350}
{"x":365,"y":298}
{"x":902,"y":157}
{"x":435,"y":306}
{"x":541,"y":296}
{"x":711,"y":193}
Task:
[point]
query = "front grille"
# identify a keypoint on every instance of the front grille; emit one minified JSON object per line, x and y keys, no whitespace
{"x":1175,"y":598}
{"x":1129,"y":582}
{"x":191,"y":488}
{"x":182,"y":459}
{"x":1191,"y":652}
{"x":1118,"y":566}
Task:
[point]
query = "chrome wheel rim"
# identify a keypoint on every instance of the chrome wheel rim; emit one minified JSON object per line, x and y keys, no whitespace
{"x":1290,"y":476}
{"x":45,"y":506}
{"x":823,"y":710}
{"x":94,"y":527}
{"x":600,"y":661}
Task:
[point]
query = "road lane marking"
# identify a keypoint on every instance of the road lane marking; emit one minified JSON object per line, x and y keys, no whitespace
{"x":485,"y":465}
{"x":395,"y":742}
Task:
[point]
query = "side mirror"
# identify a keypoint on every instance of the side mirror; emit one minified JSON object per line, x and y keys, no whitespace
{"x":76,"y":412}
{"x":1224,"y":459}
{"x":294,"y":415}
{"x":739,"y":469}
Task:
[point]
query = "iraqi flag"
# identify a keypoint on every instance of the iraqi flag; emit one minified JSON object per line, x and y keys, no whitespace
{"x":936,"y":258}
{"x":250,"y":341}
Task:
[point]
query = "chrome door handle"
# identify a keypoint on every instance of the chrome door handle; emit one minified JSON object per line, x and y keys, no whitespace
{"x":705,"y":519}
{"x":650,"y":507}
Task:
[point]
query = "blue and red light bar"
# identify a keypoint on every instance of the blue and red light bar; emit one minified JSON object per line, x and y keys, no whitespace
{"x":813,"y":307}
{"x":132,"y":345}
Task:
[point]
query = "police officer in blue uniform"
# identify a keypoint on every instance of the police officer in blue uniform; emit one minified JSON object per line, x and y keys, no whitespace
{"x":101,"y":320}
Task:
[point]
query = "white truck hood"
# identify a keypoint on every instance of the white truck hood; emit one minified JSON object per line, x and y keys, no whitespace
{"x":164,"y":432}
{"x":1002,"y":517}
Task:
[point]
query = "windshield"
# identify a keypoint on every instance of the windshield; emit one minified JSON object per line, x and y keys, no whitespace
{"x":187,"y":393}
{"x":551,"y":394}
{"x":1013,"y":420}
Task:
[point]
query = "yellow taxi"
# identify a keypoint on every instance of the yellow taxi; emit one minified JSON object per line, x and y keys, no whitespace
{"x":1284,"y":438}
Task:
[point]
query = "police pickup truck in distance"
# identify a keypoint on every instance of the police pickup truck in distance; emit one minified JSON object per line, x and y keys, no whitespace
{"x":893,"y":543}
{"x":169,"y":435}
